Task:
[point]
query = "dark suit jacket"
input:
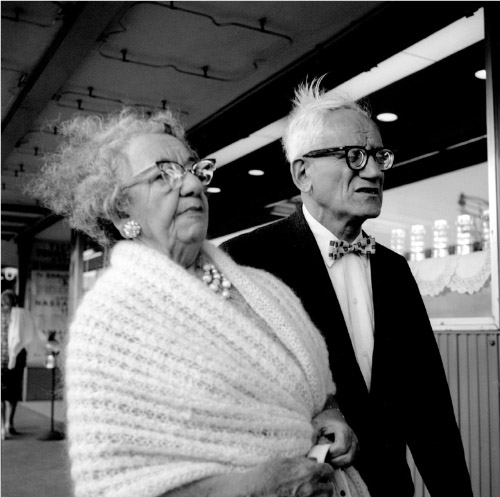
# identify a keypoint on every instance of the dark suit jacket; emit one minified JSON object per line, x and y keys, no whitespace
{"x":409,"y":401}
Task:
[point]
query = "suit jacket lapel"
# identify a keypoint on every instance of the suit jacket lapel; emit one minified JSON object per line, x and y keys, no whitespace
{"x":382,"y":335}
{"x":310,"y":265}
{"x":322,"y":304}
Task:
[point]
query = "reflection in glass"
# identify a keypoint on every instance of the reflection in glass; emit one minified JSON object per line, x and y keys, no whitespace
{"x":486,"y":229}
{"x":440,"y":238}
{"x":417,"y":242}
{"x":398,"y":240}
{"x":464,"y":234}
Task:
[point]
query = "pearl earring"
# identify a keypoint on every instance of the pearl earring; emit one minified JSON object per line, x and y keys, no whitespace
{"x":131,"y":229}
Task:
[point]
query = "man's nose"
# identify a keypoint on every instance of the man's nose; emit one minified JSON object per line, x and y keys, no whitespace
{"x":372,"y":169}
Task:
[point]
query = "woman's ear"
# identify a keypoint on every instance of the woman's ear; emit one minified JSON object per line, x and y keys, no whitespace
{"x":299,"y":170}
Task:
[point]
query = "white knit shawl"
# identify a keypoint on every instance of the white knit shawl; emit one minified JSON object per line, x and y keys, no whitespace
{"x":168,"y":383}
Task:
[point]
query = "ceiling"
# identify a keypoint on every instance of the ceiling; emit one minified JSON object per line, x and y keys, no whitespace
{"x":229,"y":68}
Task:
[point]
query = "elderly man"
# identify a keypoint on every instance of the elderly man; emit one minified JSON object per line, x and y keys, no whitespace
{"x":391,"y":385}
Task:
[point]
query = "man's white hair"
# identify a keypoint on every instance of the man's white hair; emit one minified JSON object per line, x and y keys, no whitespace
{"x":311,"y":107}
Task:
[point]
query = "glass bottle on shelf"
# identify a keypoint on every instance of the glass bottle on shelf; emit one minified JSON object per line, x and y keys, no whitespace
{"x":486,"y":229}
{"x":398,"y":240}
{"x":465,"y":237}
{"x":417,"y":242}
{"x":440,"y":233}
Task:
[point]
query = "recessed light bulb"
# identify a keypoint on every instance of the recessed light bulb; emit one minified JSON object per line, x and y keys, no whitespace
{"x":481,"y":74}
{"x":256,"y":172}
{"x":387,"y":117}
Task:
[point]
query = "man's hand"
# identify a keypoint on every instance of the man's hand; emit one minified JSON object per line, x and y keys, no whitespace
{"x":331,"y":428}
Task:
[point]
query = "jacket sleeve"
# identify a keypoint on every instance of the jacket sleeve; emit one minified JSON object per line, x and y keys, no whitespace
{"x":432,"y":433}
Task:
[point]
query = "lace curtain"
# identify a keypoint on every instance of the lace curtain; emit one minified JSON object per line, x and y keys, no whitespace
{"x":458,"y":273}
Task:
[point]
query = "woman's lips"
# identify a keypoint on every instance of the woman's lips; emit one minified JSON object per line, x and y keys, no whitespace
{"x":191,"y":208}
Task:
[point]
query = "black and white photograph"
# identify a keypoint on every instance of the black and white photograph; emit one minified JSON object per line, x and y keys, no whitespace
{"x":250,"y":248}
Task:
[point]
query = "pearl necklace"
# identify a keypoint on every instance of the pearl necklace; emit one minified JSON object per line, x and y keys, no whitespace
{"x":216,"y":281}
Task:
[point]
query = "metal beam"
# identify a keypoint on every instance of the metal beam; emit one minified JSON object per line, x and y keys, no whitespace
{"x":84,"y":23}
{"x":12,"y":224}
{"x":17,"y":218}
{"x":25,"y":210}
{"x":37,"y":227}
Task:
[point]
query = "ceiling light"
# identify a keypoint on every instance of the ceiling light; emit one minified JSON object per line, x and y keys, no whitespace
{"x":387,"y":117}
{"x":481,"y":74}
{"x":256,"y":172}
{"x":213,"y":189}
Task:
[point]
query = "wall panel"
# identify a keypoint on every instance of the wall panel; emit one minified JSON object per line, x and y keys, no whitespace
{"x":471,"y":362}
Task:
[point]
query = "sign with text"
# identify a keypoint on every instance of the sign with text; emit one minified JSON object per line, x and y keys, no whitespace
{"x":49,"y":308}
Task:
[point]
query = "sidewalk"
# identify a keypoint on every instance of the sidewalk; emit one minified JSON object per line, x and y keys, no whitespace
{"x":31,"y":467}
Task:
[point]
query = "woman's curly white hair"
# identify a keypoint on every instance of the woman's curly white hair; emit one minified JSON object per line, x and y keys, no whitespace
{"x":81,"y":179}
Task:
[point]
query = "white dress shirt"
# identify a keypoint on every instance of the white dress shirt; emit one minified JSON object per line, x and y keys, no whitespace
{"x":351,"y":280}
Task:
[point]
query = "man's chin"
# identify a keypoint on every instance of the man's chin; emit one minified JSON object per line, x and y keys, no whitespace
{"x":373,"y":215}
{"x":369,"y":214}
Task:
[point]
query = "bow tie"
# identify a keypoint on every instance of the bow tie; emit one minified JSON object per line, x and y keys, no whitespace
{"x":339,"y":248}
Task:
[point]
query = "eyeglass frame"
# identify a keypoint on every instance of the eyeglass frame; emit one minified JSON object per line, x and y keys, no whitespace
{"x":134,"y":180}
{"x":330,"y":152}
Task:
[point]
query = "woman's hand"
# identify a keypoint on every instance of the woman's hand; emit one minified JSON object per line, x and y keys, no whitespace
{"x":284,"y":477}
{"x":331,"y":428}
{"x":291,"y":477}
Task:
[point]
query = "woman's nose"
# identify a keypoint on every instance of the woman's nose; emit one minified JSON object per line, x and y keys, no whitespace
{"x":191,"y":185}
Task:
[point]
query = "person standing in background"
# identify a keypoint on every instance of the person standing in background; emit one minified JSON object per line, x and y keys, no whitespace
{"x":17,"y":332}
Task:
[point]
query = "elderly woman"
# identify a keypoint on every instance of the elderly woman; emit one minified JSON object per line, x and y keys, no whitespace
{"x":186,"y":374}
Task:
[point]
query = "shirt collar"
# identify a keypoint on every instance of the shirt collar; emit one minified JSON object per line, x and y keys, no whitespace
{"x":323,"y":236}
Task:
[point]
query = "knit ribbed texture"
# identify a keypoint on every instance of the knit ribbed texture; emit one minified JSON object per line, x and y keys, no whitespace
{"x":168,"y":383}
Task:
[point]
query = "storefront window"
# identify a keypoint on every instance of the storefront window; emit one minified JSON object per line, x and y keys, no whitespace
{"x":437,"y":206}
{"x":441,"y":225}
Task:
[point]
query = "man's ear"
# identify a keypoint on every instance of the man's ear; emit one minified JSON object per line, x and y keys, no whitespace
{"x":299,"y":170}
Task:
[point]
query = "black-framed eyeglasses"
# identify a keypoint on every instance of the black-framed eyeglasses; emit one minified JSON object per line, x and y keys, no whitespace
{"x":357,"y":157}
{"x":173,"y":172}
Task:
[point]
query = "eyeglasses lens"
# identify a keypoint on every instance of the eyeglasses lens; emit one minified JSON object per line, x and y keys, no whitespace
{"x":172,"y":173}
{"x":204,"y":171}
{"x":385,"y":158}
{"x":356,"y":157}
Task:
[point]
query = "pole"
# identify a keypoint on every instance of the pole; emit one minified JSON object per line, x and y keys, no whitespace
{"x":53,"y":434}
